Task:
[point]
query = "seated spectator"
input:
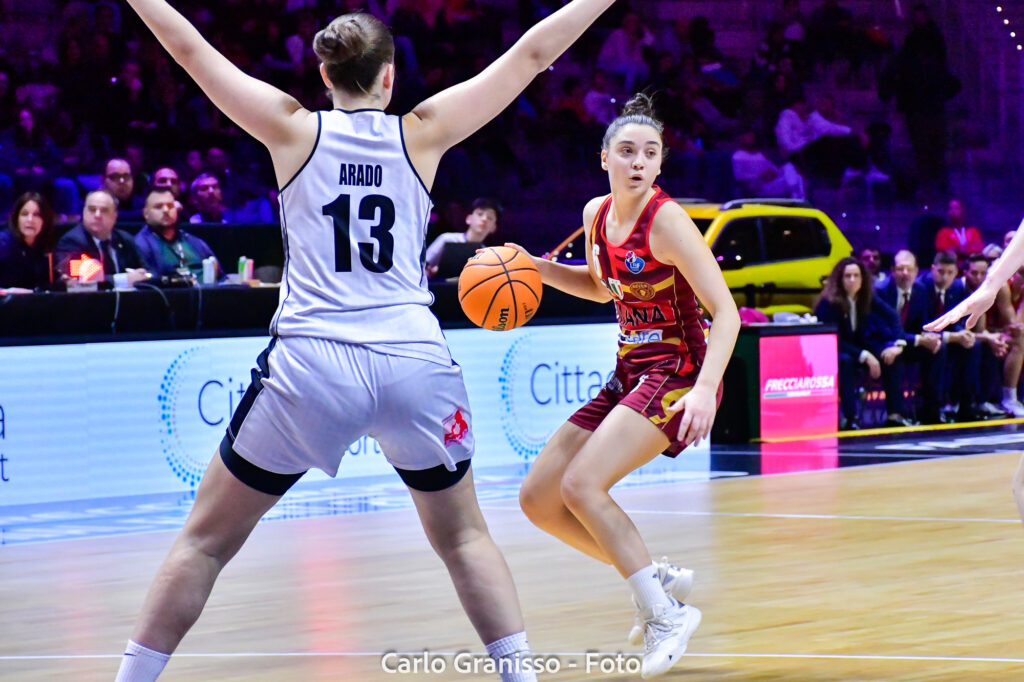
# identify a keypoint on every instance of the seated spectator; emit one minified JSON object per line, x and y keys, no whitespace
{"x":945,"y":292}
{"x":957,"y":236}
{"x":912,"y":301}
{"x":166,"y":249}
{"x":26,"y":247}
{"x":623,"y":52}
{"x":1007,"y":317}
{"x":871,"y":257}
{"x":119,"y":181}
{"x":869,"y":335}
{"x":992,"y":252}
{"x":758,"y":176}
{"x":208,"y":201}
{"x":599,"y":101}
{"x":481,"y":222}
{"x":167,"y":178}
{"x":833,"y":35}
{"x":985,"y":360}
{"x":674,"y":38}
{"x":96,"y":238}
{"x":792,"y":22}
{"x":718,"y":124}
{"x":32,"y":161}
{"x":823,"y":148}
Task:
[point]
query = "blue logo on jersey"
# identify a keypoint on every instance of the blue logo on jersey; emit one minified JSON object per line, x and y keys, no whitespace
{"x":635,"y":263}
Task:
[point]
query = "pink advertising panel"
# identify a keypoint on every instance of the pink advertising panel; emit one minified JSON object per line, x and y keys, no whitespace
{"x":799,"y":385}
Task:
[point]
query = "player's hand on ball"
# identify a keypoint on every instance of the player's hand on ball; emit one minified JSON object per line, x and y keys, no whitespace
{"x":698,"y":408}
{"x":513,"y":245}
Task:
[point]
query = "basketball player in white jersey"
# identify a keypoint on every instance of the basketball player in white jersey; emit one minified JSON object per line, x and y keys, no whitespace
{"x":355,"y":350}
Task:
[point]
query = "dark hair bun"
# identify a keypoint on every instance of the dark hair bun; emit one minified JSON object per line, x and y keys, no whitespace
{"x":639,"y":104}
{"x":354,"y":47}
{"x":342,"y":41}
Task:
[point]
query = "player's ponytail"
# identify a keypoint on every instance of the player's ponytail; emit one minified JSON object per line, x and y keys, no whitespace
{"x":639,"y":109}
{"x":354,"y":48}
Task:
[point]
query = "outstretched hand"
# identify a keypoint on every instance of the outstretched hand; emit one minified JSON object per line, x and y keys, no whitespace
{"x":975,"y":305}
{"x":698,"y":408}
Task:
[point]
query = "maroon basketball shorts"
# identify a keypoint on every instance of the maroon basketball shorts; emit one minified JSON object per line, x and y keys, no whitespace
{"x":648,"y":390}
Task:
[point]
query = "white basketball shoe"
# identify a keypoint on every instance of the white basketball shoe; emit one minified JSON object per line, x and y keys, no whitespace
{"x":667,"y":631}
{"x":677,"y":583}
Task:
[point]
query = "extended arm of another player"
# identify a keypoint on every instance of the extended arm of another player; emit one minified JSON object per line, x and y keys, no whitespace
{"x":984,"y":296}
{"x":260,"y":109}
{"x":456,"y":113}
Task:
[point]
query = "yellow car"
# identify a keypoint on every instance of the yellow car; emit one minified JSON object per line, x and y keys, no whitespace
{"x":775,"y":253}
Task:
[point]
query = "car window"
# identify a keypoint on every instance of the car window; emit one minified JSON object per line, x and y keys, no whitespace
{"x":794,"y":237}
{"x":738,"y":244}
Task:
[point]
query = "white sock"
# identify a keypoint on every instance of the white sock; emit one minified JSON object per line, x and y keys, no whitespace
{"x":1009,"y":394}
{"x":508,"y":652}
{"x":647,"y":588}
{"x":141,"y":664}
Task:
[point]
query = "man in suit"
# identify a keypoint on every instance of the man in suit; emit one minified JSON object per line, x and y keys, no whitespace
{"x":96,"y":238}
{"x":910,"y":299}
{"x":945,"y":291}
{"x":986,"y":365}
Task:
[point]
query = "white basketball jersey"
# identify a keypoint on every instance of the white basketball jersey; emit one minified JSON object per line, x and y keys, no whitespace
{"x":354,"y":220}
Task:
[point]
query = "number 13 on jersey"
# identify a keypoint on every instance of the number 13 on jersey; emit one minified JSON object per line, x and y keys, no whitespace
{"x":372,"y":207}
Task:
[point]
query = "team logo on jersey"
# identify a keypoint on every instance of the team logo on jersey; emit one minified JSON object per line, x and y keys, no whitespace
{"x":642,"y":290}
{"x":614,"y":286}
{"x":635,"y":263}
{"x":455,"y":428}
{"x":597,"y":261}
{"x":638,"y":336}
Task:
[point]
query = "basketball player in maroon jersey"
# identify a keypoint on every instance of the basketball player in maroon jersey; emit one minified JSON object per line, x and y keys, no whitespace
{"x":644,"y":253}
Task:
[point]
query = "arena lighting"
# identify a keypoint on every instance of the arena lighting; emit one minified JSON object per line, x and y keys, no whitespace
{"x":1013,"y":34}
{"x":999,"y":8}
{"x":1006,"y":22}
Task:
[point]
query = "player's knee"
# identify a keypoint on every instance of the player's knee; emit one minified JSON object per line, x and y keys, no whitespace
{"x":538,"y":506}
{"x":576,"y":490}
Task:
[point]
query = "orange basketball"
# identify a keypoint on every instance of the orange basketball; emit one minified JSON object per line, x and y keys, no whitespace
{"x":499,"y":288}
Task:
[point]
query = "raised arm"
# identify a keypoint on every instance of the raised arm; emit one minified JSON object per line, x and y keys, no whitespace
{"x":452,"y":115}
{"x":271,"y":116}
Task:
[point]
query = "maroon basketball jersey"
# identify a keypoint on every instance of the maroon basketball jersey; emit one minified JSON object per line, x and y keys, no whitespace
{"x":659,"y":319}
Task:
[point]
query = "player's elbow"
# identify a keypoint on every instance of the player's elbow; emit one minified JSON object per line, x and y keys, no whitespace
{"x":600,"y":294}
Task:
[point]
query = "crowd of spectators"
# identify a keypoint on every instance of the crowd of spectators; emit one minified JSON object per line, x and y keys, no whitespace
{"x":960,"y":374}
{"x":102,"y":104}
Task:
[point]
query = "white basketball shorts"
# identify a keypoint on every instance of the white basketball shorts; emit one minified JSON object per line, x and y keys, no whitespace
{"x":311,"y":398}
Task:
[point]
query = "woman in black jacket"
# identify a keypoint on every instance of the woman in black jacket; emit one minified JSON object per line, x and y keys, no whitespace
{"x":26,"y":247}
{"x":869,"y":334}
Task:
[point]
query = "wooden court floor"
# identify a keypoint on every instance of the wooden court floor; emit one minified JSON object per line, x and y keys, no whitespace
{"x":907,"y":571}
